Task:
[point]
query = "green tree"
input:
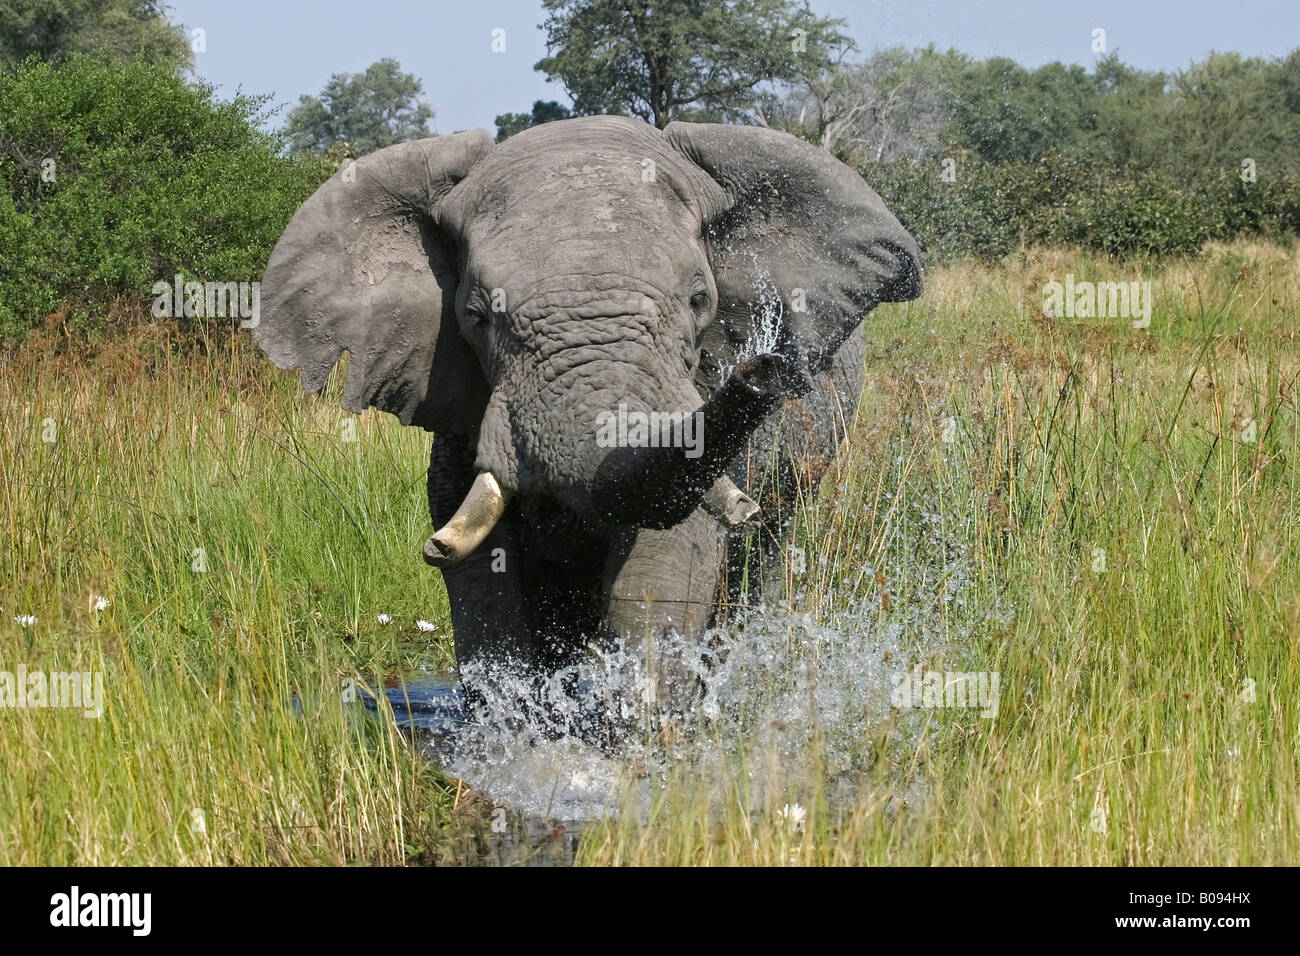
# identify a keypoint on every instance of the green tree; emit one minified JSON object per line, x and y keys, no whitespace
{"x":116,"y":176}
{"x":665,"y":59}
{"x":367,"y":111}
{"x":544,"y":111}
{"x":1006,"y":113}
{"x":1132,"y":112}
{"x":1289,"y":79}
{"x":119,"y":29}
{"x":1226,"y":108}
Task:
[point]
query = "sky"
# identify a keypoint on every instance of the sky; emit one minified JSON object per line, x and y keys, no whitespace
{"x":286,"y":48}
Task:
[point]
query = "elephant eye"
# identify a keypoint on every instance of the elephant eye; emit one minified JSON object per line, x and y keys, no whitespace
{"x":700,"y":301}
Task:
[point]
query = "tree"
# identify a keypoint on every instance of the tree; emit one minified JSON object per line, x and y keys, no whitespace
{"x":1289,"y":78}
{"x":367,"y":111}
{"x":888,"y":106}
{"x":114,"y":176}
{"x":1226,"y":108}
{"x":656,"y":59}
{"x":119,"y":29}
{"x":544,"y":111}
{"x":1007,"y":113}
{"x":1132,"y":113}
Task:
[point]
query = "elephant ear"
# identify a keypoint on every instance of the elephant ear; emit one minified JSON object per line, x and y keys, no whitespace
{"x":362,"y":267}
{"x":802,"y":248}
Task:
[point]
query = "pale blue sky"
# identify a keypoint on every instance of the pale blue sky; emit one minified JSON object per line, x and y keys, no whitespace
{"x":290,"y":47}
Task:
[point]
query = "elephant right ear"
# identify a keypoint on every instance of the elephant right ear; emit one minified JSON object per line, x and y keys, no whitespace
{"x":802,"y":248}
{"x":362,"y":267}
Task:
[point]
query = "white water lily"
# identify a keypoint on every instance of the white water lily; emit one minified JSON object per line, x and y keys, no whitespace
{"x":102,"y":603}
{"x":25,"y":620}
{"x":425,"y":626}
{"x":383,"y":619}
{"x":796,"y":815}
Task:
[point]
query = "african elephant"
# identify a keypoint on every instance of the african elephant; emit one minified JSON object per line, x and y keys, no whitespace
{"x":505,"y":296}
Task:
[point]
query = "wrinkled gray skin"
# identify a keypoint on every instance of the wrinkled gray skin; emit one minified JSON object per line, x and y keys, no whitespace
{"x":631,"y":263}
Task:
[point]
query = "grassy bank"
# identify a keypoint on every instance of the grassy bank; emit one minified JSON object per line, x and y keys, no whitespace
{"x":1128,"y":504}
{"x":247,"y":537}
{"x":246,"y":548}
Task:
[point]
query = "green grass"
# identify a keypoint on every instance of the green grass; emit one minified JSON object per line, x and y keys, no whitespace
{"x":247,"y":550}
{"x":1126,"y":733}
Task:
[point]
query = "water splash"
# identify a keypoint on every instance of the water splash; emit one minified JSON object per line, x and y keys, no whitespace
{"x":776,"y":683}
{"x":767,"y":316}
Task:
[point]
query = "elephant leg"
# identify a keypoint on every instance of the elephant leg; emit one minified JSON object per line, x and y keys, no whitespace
{"x":562,"y":572}
{"x":488,"y":610}
{"x":661,"y":590}
{"x":564,"y":609}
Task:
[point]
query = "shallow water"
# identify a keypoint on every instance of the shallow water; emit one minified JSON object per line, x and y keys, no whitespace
{"x":786,"y":695}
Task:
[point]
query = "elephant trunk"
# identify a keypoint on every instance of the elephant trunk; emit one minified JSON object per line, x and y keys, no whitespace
{"x":651,"y":487}
{"x":658,"y":487}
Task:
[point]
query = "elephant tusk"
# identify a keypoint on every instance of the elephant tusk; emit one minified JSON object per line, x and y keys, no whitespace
{"x":477,"y":515}
{"x":729,"y":504}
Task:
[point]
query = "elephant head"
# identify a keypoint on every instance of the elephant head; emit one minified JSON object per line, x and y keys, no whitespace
{"x":509,"y":293}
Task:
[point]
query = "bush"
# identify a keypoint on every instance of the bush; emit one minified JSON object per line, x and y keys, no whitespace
{"x":151,"y":176}
{"x":992,"y":209}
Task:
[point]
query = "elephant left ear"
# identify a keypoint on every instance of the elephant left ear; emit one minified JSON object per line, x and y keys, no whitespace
{"x":803,"y":248}
{"x":364,"y":267}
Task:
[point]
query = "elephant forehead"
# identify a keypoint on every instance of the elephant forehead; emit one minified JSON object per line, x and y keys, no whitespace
{"x":608,"y":164}
{"x":589,"y":268}
{"x":587,"y":216}
{"x":604,"y":192}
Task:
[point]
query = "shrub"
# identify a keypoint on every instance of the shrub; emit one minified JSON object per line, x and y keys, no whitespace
{"x":151,"y":176}
{"x":992,"y":209}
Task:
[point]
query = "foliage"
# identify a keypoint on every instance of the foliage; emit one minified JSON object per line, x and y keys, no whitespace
{"x":544,"y":111}
{"x":657,"y":60}
{"x":991,"y":209}
{"x":1119,"y":160}
{"x":368,"y":111}
{"x":116,"y":29}
{"x":225,"y":678}
{"x":116,"y":176}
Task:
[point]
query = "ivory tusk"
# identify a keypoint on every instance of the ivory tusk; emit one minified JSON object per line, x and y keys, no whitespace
{"x":477,"y":515}
{"x":729,"y":504}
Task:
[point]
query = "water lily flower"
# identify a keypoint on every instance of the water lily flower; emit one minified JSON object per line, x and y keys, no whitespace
{"x":383,"y":619}
{"x":425,"y":626}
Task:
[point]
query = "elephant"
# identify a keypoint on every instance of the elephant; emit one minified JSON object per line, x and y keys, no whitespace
{"x":515,"y":298}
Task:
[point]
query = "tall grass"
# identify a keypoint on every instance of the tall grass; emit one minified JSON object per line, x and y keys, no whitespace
{"x":246,"y":548}
{"x":1149,"y":711}
{"x":1128,"y":503}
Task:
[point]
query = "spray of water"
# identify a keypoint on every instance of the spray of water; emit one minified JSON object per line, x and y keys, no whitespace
{"x":773,"y":683}
{"x":769,"y":311}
